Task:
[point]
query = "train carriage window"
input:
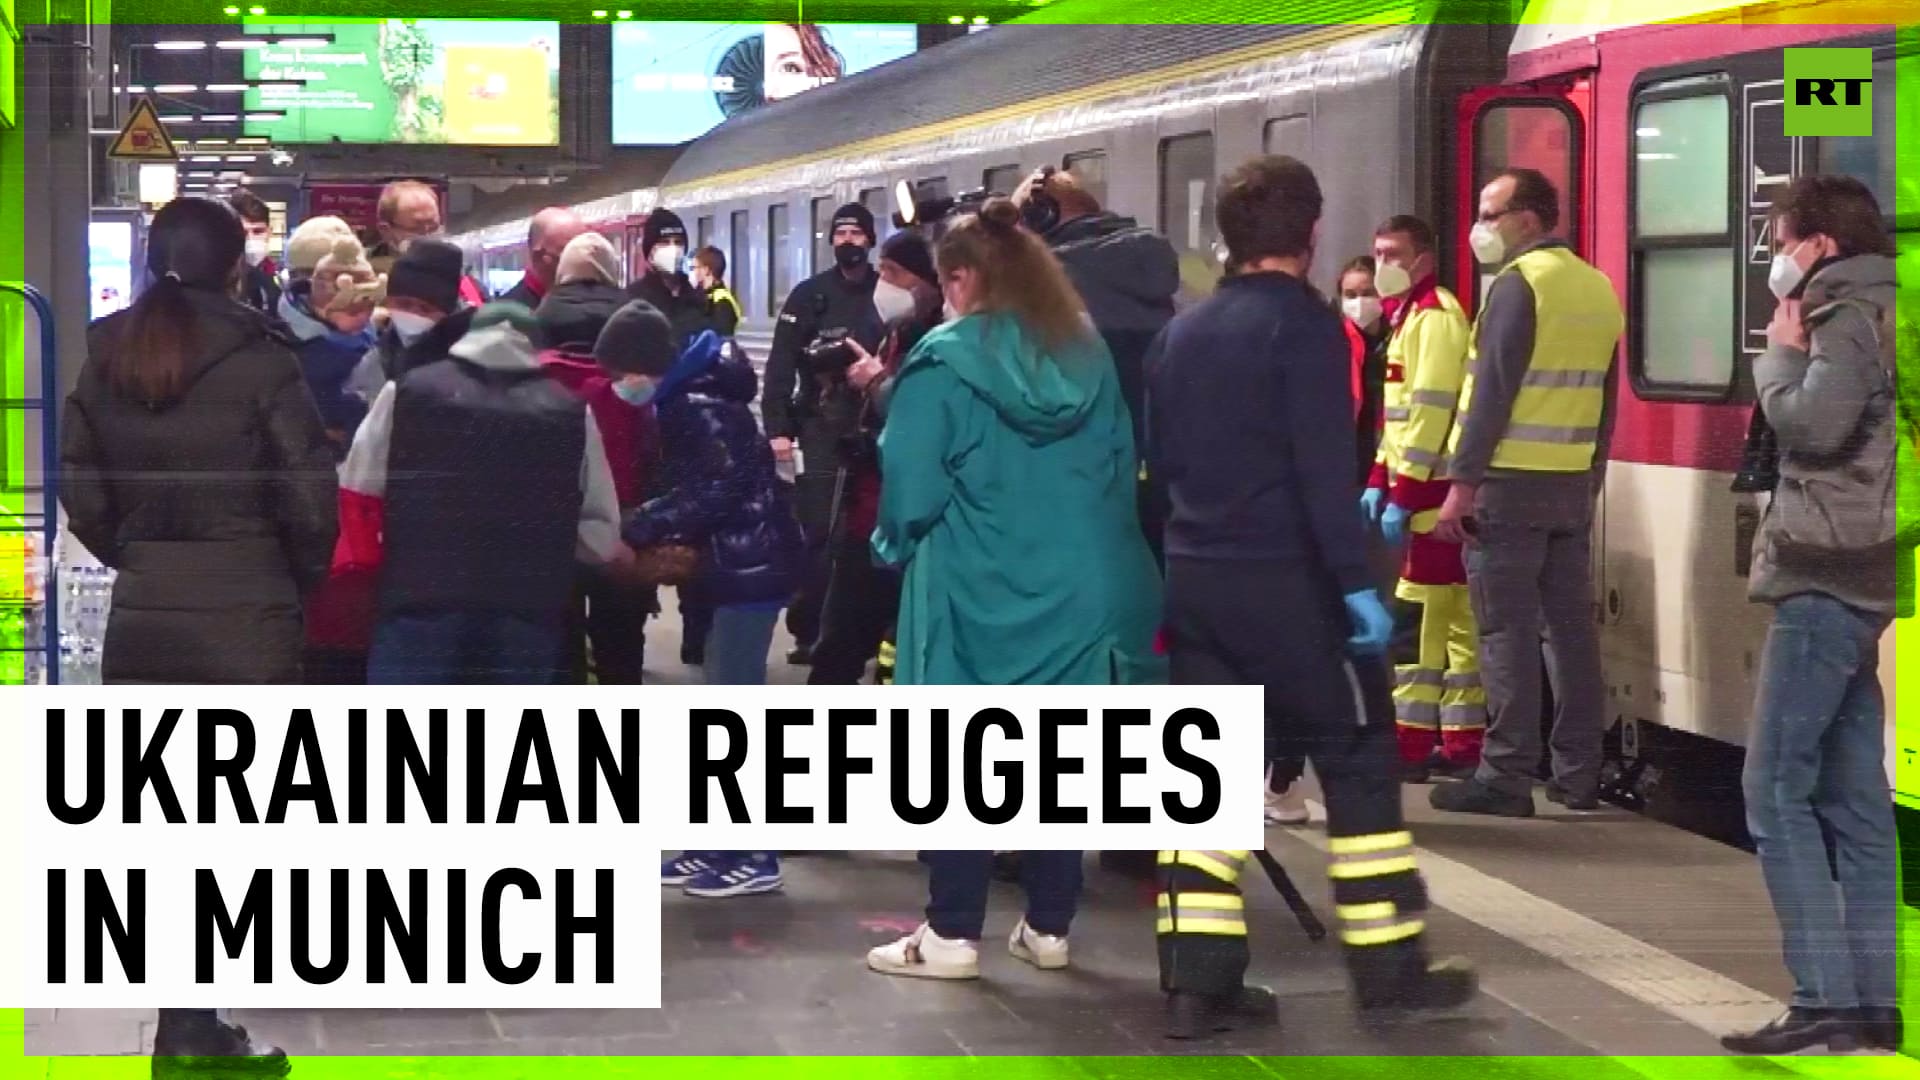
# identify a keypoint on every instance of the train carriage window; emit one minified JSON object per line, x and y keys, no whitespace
{"x":739,"y":272}
{"x":1291,"y":136}
{"x":876,"y":202}
{"x":1001,"y":179}
{"x":1532,"y":134}
{"x":1089,"y":167}
{"x":1870,"y":158}
{"x":779,"y":258}
{"x":703,"y":231}
{"x":1683,"y":276}
{"x":822,"y":234}
{"x":1186,"y":192}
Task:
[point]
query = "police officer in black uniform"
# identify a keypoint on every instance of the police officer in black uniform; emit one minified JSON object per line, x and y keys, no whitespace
{"x":809,"y":400}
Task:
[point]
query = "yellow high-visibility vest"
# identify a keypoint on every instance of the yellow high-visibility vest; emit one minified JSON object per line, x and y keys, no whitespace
{"x":1555,"y":425}
{"x":1429,"y":352}
{"x":720,"y":294}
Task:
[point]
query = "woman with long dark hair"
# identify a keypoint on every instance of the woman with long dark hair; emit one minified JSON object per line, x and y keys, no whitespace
{"x":194,"y":464}
{"x":1009,"y":500}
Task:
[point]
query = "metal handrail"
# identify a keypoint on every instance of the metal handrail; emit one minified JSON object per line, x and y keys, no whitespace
{"x":48,"y":406}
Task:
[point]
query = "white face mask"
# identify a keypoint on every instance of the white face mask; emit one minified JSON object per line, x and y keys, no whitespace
{"x":1391,"y":279}
{"x":893,"y":302}
{"x":1487,"y":243}
{"x":1785,"y":275}
{"x":256,"y":250}
{"x":1363,"y":310}
{"x":409,"y":326}
{"x":666,"y":258}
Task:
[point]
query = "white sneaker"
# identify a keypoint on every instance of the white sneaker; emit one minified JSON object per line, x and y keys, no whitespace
{"x":1044,"y":951}
{"x":924,"y":954}
{"x":1287,"y":807}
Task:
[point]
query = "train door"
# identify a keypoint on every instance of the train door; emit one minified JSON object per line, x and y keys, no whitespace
{"x":1540,"y":125}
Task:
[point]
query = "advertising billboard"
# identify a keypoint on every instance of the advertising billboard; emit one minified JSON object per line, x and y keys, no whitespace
{"x":676,"y":81}
{"x":411,"y":81}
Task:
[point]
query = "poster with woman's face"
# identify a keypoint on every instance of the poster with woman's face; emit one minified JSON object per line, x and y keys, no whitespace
{"x":676,"y":81}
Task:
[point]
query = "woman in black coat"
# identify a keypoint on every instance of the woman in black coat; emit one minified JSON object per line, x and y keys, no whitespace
{"x":193,"y":462}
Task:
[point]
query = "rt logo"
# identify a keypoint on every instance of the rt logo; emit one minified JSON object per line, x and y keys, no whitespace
{"x":1829,"y":91}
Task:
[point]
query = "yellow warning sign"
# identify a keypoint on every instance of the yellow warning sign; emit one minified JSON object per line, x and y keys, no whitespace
{"x":143,"y":138}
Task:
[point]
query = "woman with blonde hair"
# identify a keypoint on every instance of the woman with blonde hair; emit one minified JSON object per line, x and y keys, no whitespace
{"x":1010,"y":502}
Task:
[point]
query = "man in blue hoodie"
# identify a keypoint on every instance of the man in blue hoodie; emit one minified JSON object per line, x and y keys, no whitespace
{"x":1250,"y":427}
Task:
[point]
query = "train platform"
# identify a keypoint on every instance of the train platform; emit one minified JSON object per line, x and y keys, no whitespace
{"x":1598,"y":933}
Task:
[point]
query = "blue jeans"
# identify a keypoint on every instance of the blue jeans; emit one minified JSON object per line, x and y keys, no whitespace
{"x":1818,"y":756}
{"x":737,"y":645}
{"x":958,"y":882}
{"x":453,"y":648}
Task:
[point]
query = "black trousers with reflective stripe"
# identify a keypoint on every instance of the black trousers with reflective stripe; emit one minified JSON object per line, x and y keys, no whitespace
{"x":1284,"y":626}
{"x":1199,"y":963}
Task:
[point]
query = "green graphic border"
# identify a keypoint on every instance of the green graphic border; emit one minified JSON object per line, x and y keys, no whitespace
{"x":14,"y":1065}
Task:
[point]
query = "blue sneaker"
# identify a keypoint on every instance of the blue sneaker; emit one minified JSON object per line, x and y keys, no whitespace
{"x":683,"y":868}
{"x":742,"y":877}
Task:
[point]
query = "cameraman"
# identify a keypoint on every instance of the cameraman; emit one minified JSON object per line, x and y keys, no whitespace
{"x":1126,"y":274}
{"x":862,"y":598}
{"x":812,"y":401}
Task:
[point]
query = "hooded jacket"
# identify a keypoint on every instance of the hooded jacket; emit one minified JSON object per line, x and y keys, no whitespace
{"x":1009,"y":499}
{"x":476,"y":483}
{"x":327,"y":361}
{"x":390,"y":359}
{"x":1128,"y":276}
{"x":571,"y":318}
{"x":216,"y":506}
{"x":1831,"y":524}
{"x":719,"y":490}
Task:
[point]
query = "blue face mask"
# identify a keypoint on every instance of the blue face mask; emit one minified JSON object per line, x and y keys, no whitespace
{"x":635,"y":394}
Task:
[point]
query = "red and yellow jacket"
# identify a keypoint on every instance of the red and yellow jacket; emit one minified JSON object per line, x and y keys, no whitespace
{"x":1426,"y":366}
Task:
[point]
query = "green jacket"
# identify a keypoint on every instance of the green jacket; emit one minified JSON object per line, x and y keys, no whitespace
{"x":1009,"y":499}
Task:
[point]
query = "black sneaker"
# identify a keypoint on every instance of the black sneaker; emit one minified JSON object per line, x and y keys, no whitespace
{"x":1473,"y":797}
{"x":800,"y":656}
{"x":1558,"y":794}
{"x":214,"y":1049}
{"x":1880,"y":1027}
{"x":1797,"y":1029}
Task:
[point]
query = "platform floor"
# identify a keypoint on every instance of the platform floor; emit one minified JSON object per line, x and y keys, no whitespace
{"x":1595,"y":933}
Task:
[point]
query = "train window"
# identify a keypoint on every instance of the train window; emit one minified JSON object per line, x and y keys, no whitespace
{"x":1681,"y":161}
{"x":703,"y":231}
{"x":1186,"y":183}
{"x":1089,"y":167}
{"x":1291,"y":136}
{"x":1870,"y":159}
{"x":822,"y":234}
{"x":1684,"y":268}
{"x":1001,"y":179}
{"x":877,"y":204}
{"x":779,"y":260}
{"x":738,"y":269}
{"x":1532,"y":134}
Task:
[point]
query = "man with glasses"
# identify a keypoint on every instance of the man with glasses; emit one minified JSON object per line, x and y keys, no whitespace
{"x":1524,"y":457}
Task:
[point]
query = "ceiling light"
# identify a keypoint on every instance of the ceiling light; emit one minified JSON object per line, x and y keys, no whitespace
{"x":265,"y":117}
{"x":135,"y":89}
{"x":205,"y":159}
{"x":211,"y":142}
{"x":179,"y":46}
{"x":231,"y":158}
{"x":176,"y":88}
{"x":226,"y":88}
{"x":220,"y":118}
{"x":177,"y":119}
{"x":252,"y":140}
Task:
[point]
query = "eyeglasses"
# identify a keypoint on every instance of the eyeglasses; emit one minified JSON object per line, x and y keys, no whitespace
{"x":1497,"y":215}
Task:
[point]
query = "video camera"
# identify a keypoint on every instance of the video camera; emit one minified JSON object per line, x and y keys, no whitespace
{"x":830,"y":353}
{"x":927,"y":206}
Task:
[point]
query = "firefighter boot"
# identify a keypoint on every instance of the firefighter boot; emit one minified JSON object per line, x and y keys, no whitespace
{"x":1399,"y":979}
{"x":192,"y":1045}
{"x":1191,"y":1015}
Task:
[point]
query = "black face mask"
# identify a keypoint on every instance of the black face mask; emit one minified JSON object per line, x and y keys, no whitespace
{"x":850,"y":256}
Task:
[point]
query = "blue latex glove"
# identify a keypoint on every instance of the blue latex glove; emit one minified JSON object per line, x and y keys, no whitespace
{"x":1372,"y":626}
{"x":1370,"y":501}
{"x":1393,"y":525}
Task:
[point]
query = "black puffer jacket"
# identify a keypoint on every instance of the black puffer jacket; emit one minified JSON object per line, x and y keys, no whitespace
{"x":721,"y":492}
{"x":218,"y":508}
{"x":575,"y":313}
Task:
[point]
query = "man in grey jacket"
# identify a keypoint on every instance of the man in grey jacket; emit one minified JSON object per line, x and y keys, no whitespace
{"x":1824,"y":558}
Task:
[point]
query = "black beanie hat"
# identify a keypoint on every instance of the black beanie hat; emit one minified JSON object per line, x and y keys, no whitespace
{"x":913,"y":254}
{"x":854,"y":214}
{"x":428,"y":271}
{"x":638,"y":340}
{"x":662,"y":224}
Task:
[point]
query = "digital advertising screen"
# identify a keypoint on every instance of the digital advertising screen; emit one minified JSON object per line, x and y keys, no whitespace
{"x":676,"y":81}
{"x":411,"y":81}
{"x":109,"y":266}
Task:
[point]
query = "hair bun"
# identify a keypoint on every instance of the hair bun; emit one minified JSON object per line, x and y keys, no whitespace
{"x":346,"y":249}
{"x":1000,"y":213}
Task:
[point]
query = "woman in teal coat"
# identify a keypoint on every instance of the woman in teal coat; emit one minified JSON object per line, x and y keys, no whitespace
{"x":1009,"y":498}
